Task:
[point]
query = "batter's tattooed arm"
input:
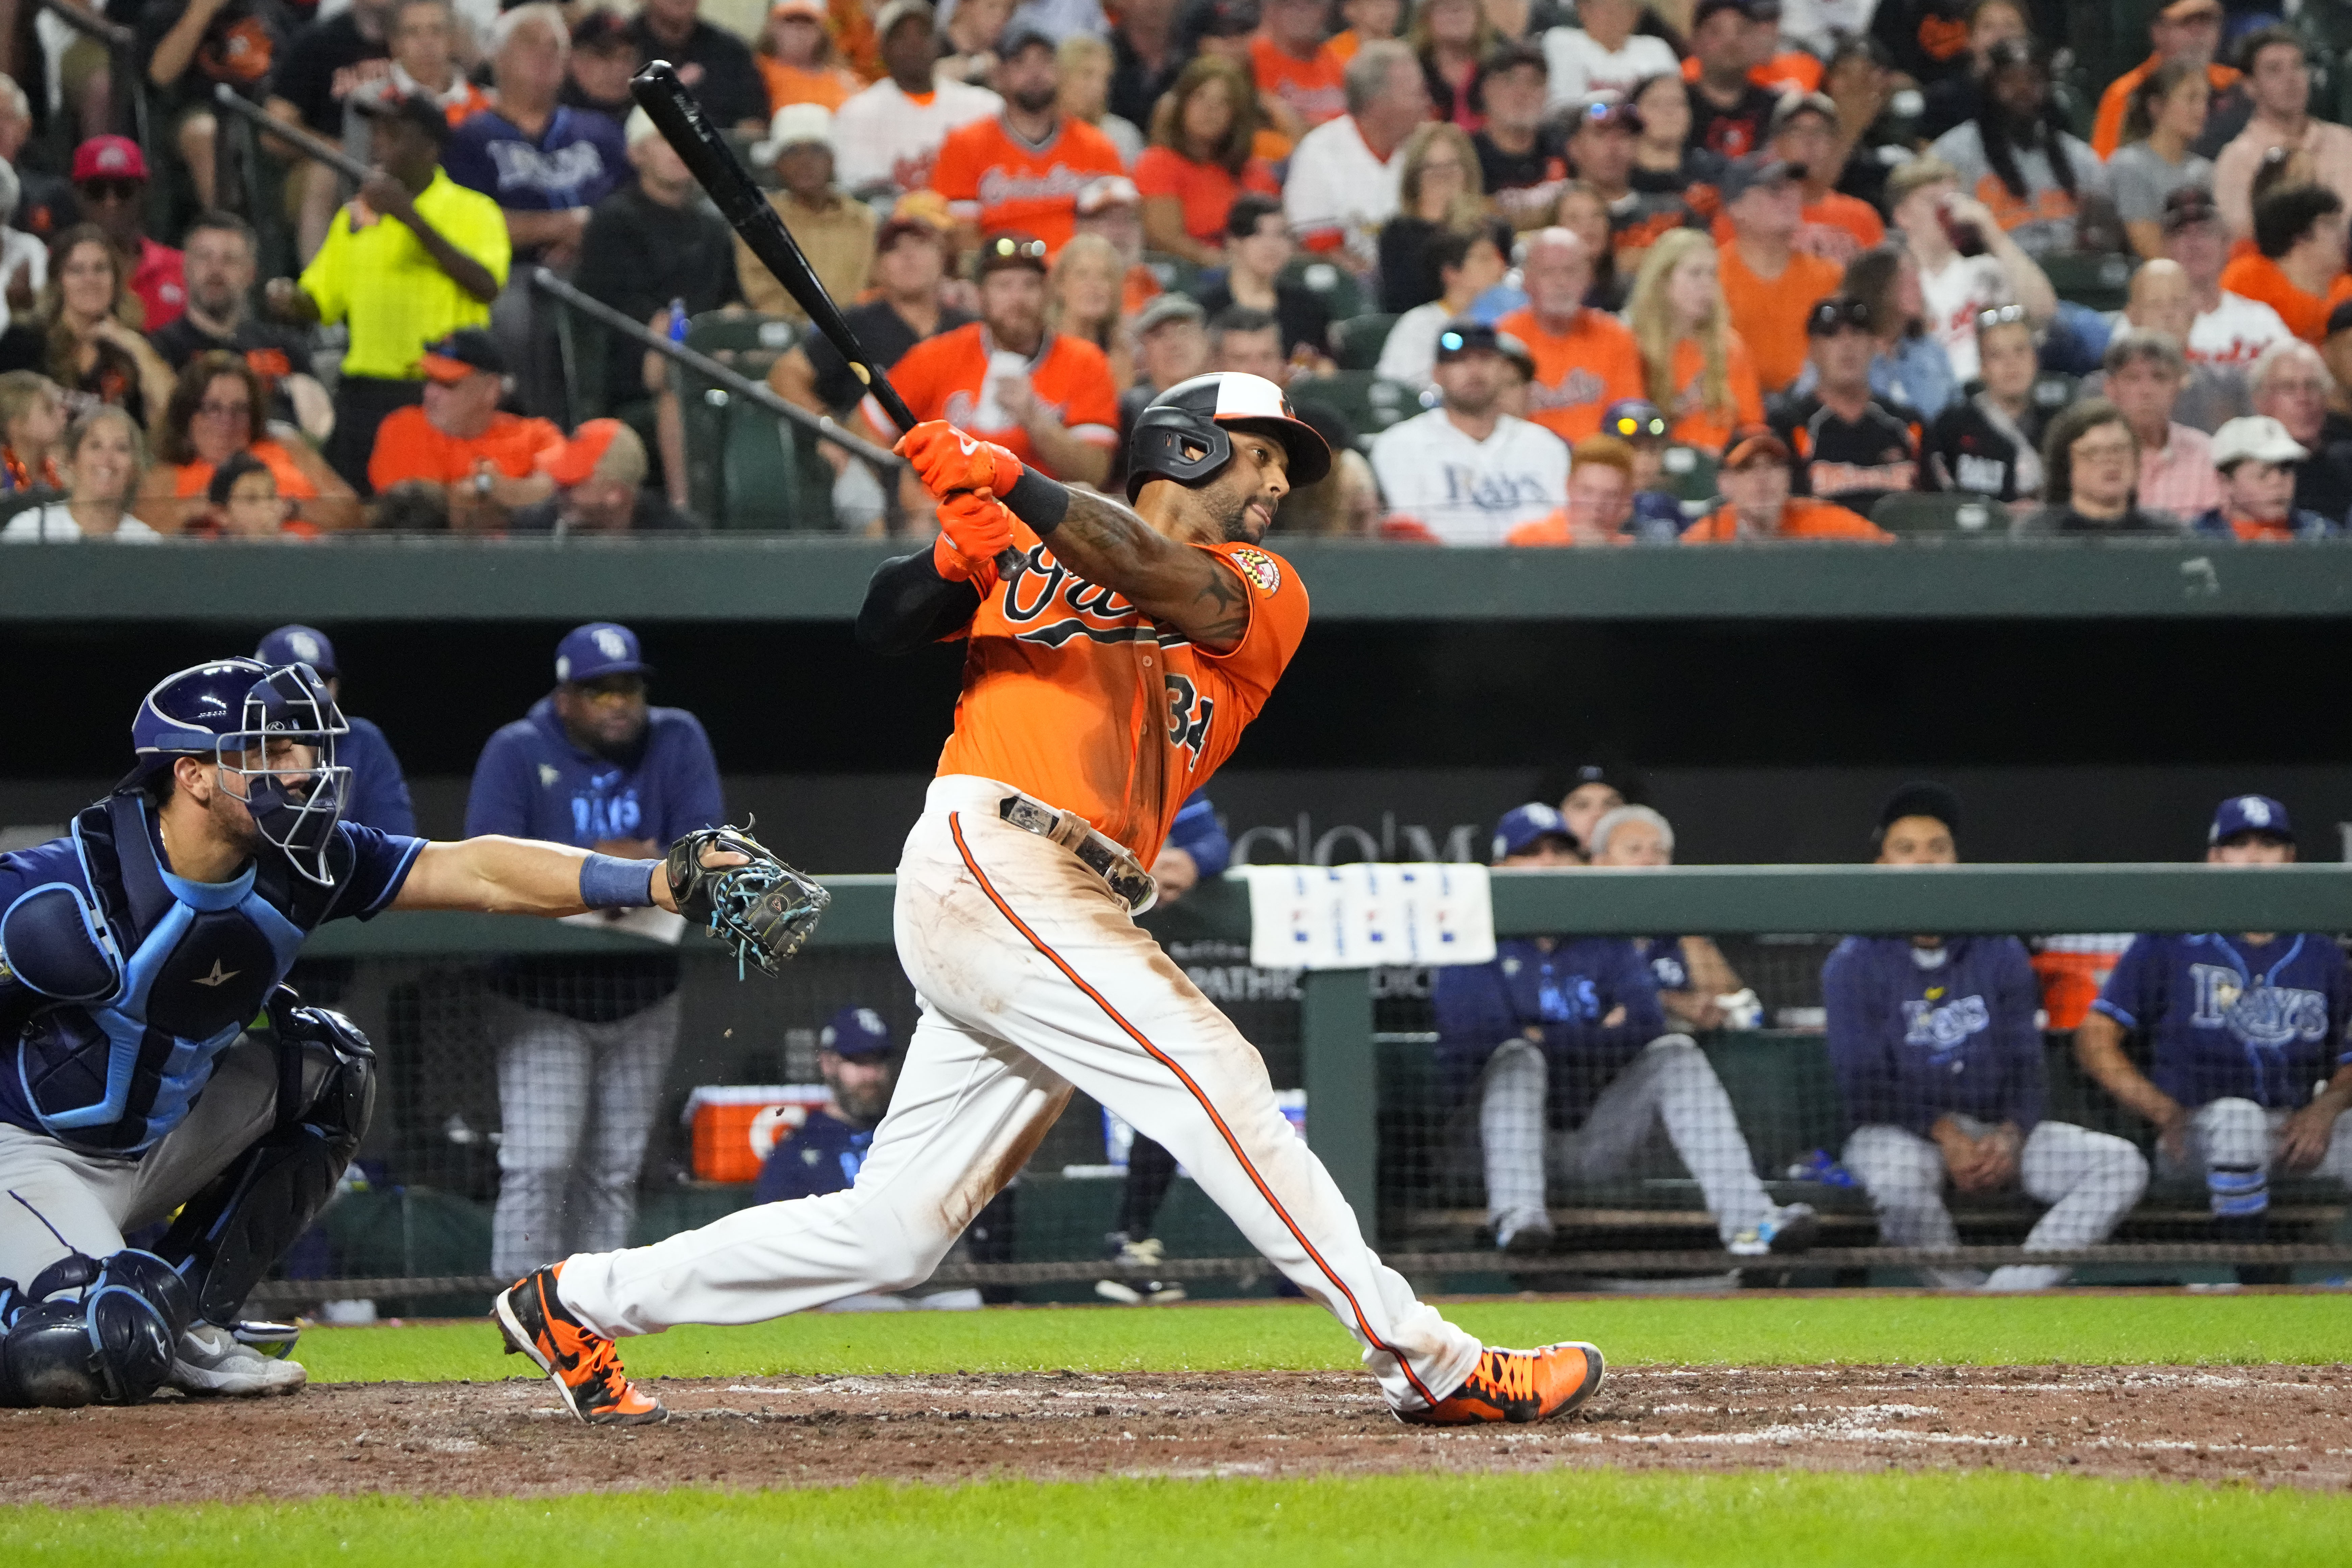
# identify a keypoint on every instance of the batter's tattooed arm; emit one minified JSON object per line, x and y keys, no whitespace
{"x":1194,"y":591}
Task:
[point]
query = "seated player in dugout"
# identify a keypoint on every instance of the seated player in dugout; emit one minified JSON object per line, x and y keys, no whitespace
{"x":1564,"y":1041}
{"x":1938,"y":1058}
{"x":152,"y":1063}
{"x":1696,"y":985}
{"x":2241,"y":1026}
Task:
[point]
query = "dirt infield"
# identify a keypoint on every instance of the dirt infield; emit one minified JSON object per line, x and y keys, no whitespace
{"x":2279,"y":1425}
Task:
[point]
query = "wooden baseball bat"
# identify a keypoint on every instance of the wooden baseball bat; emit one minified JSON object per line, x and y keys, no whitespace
{"x":715,"y":167}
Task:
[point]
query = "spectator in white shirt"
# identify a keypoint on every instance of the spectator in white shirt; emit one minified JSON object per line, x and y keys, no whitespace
{"x":2230,"y":329}
{"x":886,"y":138}
{"x":2145,"y":373}
{"x":1467,"y":471}
{"x":1344,"y":175}
{"x":1468,"y":264}
{"x":1924,"y":199}
{"x":2279,"y":79}
{"x":104,"y":456}
{"x":1605,"y":54}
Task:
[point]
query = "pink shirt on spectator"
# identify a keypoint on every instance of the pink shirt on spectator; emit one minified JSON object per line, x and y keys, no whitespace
{"x":2181,"y":479}
{"x":159,"y":283}
{"x":2330,"y":146}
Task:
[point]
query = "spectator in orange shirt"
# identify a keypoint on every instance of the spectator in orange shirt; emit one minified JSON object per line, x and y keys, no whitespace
{"x":1757,"y":505}
{"x":1200,"y":160}
{"x":1837,"y":227}
{"x":1600,"y":498}
{"x":2188,"y":31}
{"x":1022,"y":169}
{"x":2297,"y":268}
{"x":243,"y":502}
{"x":1693,"y":363}
{"x":1299,"y":75}
{"x":484,"y":459}
{"x":1769,"y":285}
{"x":218,"y":410}
{"x":797,"y":59}
{"x":1584,"y":360}
{"x":1450,"y":37}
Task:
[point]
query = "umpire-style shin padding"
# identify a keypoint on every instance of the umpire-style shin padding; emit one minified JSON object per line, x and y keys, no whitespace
{"x":232,"y":1232}
{"x":93,"y":1331}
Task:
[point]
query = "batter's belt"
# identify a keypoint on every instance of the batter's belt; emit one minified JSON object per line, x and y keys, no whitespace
{"x":1106,"y":858}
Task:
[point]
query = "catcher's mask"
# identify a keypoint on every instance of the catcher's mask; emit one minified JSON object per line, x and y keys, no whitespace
{"x":273,"y":732}
{"x":1183,"y":434}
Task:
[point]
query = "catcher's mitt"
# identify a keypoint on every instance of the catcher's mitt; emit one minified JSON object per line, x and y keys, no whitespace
{"x":765,"y":909}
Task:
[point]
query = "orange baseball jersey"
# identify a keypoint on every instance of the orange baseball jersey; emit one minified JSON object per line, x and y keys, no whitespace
{"x":1799,"y":519}
{"x":408,"y":446}
{"x":1697,"y":425}
{"x":1579,"y":373}
{"x":946,"y":377}
{"x":1071,"y":695}
{"x":993,"y":177}
{"x":1314,"y":88}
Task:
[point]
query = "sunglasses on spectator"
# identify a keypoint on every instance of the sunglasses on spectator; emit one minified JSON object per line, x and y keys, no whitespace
{"x":240,"y":409}
{"x":1998,"y":316}
{"x":1835,"y":315}
{"x":111,"y":190}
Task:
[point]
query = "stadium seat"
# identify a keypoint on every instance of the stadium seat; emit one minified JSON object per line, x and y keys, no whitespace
{"x":1941,"y":511}
{"x":1174,"y":274}
{"x":1342,"y":297}
{"x":745,"y":467}
{"x":1368,"y":403}
{"x":2099,"y":282}
{"x":1356,"y":342}
{"x":746,"y":343}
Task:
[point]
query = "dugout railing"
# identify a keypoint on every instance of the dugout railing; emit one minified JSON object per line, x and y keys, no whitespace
{"x":1355,"y":1045}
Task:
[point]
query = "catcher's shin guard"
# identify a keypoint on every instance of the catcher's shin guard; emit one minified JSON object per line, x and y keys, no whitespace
{"x":229,"y":1235}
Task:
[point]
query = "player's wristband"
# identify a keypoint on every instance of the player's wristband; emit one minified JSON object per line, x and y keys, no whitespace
{"x":609,"y":882}
{"x":1037,"y":501}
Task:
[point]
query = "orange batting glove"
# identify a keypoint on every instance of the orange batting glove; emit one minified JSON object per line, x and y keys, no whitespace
{"x":946,"y":459}
{"x":974,"y":528}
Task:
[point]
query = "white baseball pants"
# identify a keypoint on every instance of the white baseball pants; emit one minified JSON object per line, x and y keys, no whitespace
{"x":1669,"y":1081}
{"x":1033,"y":978}
{"x":2090,"y":1180}
{"x":2232,"y":1143}
{"x":576,"y":1103}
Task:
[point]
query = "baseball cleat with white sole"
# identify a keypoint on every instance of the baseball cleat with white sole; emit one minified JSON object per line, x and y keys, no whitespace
{"x":210,"y":1363}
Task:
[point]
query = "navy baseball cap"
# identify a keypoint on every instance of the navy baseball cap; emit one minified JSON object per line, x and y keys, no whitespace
{"x":2251,"y":814}
{"x":1633,"y":419}
{"x":597,"y":649}
{"x":1524,"y":826}
{"x":298,"y":644}
{"x":858,"y":1033}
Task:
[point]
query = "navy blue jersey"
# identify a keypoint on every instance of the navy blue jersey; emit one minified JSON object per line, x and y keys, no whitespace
{"x":577,"y":160}
{"x":1564,"y":995}
{"x":822,"y":1156}
{"x":379,"y":795}
{"x":1911,"y":1040}
{"x":1663,"y":956}
{"x":121,"y":983}
{"x":1197,"y":832}
{"x":533,"y":783}
{"x":2234,"y":1019}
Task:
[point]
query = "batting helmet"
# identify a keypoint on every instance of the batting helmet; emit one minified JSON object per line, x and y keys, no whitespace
{"x":230,"y":711}
{"x":1181,"y":434}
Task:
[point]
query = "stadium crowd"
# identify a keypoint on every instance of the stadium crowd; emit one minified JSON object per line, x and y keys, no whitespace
{"x":1691,"y":270}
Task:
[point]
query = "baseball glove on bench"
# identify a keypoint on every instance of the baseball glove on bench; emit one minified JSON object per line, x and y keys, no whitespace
{"x":763,"y":910}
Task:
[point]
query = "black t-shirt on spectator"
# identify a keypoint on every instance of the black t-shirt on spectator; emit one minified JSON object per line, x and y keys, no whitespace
{"x":636,"y":257}
{"x":2322,"y":482}
{"x":1735,"y":131}
{"x":1700,"y":167}
{"x":1851,"y":462}
{"x":1967,"y":451}
{"x":1135,"y":86}
{"x":112,"y":377}
{"x":716,"y":65}
{"x":1300,"y":310}
{"x":325,"y":61}
{"x":272,"y":351}
{"x":1409,"y":263}
{"x":1522,"y":182}
{"x":886,"y":334}
{"x":1927,"y":40}
{"x":239,"y":47}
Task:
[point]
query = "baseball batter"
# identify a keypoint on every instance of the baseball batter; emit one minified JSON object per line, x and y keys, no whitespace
{"x":1104,"y":682}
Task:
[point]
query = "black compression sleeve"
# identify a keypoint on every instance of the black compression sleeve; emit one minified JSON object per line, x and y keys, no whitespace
{"x":908,"y":604}
{"x":1037,"y":501}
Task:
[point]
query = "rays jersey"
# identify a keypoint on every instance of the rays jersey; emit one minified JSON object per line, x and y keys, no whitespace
{"x":1566,"y":994}
{"x":121,"y":983}
{"x":1914,"y":1034}
{"x":2231,"y":1018}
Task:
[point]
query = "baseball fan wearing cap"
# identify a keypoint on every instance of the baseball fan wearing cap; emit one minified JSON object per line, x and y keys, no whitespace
{"x":1805,"y":136}
{"x":1023,"y":168}
{"x":2229,"y":329}
{"x":799,"y":59}
{"x":1567,"y":1032}
{"x":888,"y":136}
{"x":1968,"y":263}
{"x":378,"y":795}
{"x":1466,"y":470}
{"x":1106,"y":680}
{"x":2256,"y":460}
{"x":1757,"y":503}
{"x":484,"y":457}
{"x":148,"y":1046}
{"x":1769,"y":284}
{"x":1938,"y":1059}
{"x":1848,"y":445}
{"x":834,"y":231}
{"x":2239,"y":1027}
{"x":581,"y":1046}
{"x":414,"y":258}
{"x":599,"y":474}
{"x":109,"y":179}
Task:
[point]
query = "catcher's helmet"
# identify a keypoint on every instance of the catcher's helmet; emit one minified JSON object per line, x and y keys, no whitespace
{"x":1181,"y":434}
{"x":230,"y":710}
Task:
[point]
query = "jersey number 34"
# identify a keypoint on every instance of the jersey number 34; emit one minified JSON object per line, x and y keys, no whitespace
{"x":1188,"y":714}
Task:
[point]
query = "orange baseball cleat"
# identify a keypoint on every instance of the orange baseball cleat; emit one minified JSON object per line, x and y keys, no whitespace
{"x":583,"y":1366}
{"x":1518,"y":1386}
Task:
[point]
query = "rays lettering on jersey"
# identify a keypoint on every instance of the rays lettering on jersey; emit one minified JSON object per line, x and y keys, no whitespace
{"x":2259,"y":1014}
{"x":1942,"y":1026}
{"x":596,"y":815}
{"x":521,"y":164}
{"x":1487,"y":492}
{"x":998,"y":187}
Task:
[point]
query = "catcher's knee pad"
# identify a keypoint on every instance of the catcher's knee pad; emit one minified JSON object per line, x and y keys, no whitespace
{"x":94,"y":1331}
{"x":229,"y":1235}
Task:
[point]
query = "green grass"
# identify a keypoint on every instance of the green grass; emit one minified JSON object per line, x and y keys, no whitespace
{"x":1735,"y":1329}
{"x":1557,"y":1516}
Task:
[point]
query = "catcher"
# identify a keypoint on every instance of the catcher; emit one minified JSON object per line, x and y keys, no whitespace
{"x":137,"y":954}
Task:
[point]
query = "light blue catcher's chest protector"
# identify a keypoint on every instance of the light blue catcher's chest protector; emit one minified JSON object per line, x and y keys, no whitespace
{"x":112,"y":1070}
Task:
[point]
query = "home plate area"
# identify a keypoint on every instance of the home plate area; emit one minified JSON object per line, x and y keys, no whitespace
{"x":2271,"y":1425}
